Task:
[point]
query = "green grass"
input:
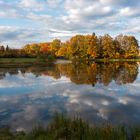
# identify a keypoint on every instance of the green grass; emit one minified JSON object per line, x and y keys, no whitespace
{"x":62,"y":128}
{"x":13,"y":62}
{"x":117,"y":60}
{"x":17,"y":60}
{"x":25,"y":62}
{"x":35,"y":60}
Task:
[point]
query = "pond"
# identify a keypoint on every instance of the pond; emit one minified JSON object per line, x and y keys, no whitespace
{"x":98,"y":93}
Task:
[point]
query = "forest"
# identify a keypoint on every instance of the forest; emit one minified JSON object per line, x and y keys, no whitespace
{"x":78,"y":47}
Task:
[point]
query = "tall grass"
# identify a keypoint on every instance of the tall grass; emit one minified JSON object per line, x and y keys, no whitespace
{"x":63,"y":128}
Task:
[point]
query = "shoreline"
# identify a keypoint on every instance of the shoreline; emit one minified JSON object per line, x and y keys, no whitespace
{"x":117,"y":60}
{"x":62,"y":61}
{"x":8,"y":62}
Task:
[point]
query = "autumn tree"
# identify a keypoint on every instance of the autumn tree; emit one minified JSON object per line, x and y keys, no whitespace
{"x":44,"y":48}
{"x":55,"y":46}
{"x":63,"y":51}
{"x":77,"y":47}
{"x":32,"y":49}
{"x":92,"y":43}
{"x":108,"y":49}
{"x":128,"y":45}
{"x":133,"y":50}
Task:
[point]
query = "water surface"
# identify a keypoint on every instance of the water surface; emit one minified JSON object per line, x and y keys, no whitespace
{"x":97,"y":93}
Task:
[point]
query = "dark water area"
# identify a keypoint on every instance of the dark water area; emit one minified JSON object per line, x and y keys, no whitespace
{"x":97,"y":93}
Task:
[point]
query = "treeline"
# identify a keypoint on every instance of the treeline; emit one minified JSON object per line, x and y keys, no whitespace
{"x":7,"y":52}
{"x":80,"y":47}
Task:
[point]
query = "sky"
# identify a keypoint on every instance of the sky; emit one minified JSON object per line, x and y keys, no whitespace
{"x":32,"y":21}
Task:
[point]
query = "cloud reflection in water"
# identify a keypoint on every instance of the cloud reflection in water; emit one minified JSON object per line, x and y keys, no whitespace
{"x":27,"y":99}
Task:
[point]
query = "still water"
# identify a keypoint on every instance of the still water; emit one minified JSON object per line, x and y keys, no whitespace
{"x":97,"y":93}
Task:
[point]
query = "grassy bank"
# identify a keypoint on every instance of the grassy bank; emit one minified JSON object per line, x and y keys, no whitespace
{"x":117,"y":60}
{"x":22,"y":62}
{"x":17,"y":60}
{"x":62,"y":128}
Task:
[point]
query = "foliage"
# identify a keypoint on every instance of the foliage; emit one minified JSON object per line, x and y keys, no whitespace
{"x":92,"y":45}
{"x":63,"y":51}
{"x":82,"y":47}
{"x":55,"y":46}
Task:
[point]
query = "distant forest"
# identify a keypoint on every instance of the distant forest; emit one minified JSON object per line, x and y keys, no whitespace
{"x":78,"y":47}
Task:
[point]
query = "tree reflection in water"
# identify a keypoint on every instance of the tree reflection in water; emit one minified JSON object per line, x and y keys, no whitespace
{"x":105,"y":73}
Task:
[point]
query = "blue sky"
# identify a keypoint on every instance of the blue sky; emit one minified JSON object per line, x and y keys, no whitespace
{"x":28,"y":21}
